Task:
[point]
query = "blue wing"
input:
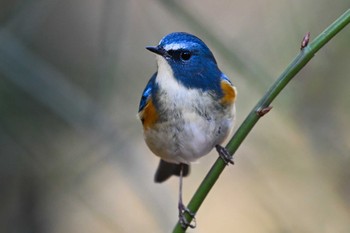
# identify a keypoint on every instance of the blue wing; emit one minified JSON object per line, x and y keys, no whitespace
{"x":147,"y":92}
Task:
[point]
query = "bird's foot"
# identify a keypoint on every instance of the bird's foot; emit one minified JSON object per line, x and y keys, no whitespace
{"x":224,"y":154}
{"x":182,"y":218}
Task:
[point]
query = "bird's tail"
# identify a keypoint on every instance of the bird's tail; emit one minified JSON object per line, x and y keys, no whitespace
{"x":165,"y":170}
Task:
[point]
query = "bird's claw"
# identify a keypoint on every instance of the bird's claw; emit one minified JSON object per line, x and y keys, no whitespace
{"x":224,"y":154}
{"x":182,"y":218}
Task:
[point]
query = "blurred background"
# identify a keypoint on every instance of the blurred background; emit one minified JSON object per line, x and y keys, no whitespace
{"x":72,"y":155}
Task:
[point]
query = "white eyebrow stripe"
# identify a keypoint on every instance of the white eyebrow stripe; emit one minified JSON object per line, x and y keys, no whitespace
{"x":177,"y":46}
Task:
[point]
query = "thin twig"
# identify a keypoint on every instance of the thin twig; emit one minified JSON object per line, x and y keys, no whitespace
{"x":308,"y":50}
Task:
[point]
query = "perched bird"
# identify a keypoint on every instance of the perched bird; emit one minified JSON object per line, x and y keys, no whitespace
{"x":187,"y":107}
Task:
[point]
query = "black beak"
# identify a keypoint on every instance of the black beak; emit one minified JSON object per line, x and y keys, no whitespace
{"x":157,"y":50}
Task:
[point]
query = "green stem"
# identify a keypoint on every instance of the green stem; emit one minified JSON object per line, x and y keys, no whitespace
{"x":294,"y":67}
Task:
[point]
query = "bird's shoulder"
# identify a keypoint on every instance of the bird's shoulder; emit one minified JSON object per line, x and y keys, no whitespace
{"x":147,"y":110}
{"x":229,"y":92}
{"x":147,"y":93}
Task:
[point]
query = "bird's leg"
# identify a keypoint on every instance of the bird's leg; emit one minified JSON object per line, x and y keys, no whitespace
{"x":182,"y":208}
{"x":224,"y":154}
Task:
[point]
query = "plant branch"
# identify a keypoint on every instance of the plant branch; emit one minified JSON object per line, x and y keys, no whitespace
{"x":262,"y":107}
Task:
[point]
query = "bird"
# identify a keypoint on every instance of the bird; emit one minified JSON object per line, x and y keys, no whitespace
{"x":186,"y":109}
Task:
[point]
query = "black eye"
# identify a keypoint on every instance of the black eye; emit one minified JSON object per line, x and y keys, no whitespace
{"x":185,"y":56}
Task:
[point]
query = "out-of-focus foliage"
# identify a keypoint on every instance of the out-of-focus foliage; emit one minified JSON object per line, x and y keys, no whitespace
{"x":72,"y":157}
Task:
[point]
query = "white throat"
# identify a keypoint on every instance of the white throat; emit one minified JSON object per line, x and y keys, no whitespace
{"x":165,"y":77}
{"x":175,"y":93}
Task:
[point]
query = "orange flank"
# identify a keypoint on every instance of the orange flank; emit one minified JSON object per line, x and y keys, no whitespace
{"x":149,"y":115}
{"x":229,"y":93}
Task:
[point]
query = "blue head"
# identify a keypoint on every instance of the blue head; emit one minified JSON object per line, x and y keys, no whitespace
{"x":191,"y":61}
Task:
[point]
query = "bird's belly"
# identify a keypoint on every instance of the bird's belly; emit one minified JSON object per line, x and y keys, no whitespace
{"x":186,"y":139}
